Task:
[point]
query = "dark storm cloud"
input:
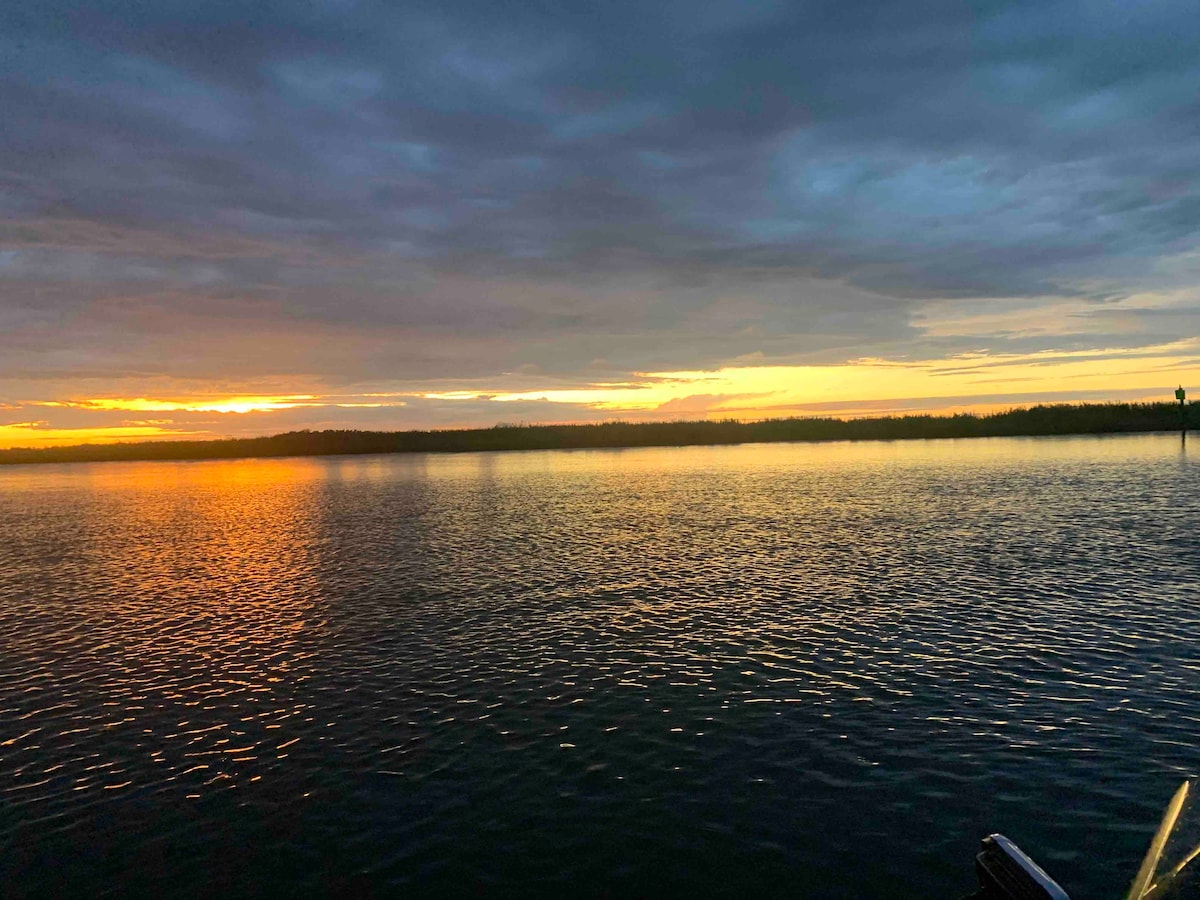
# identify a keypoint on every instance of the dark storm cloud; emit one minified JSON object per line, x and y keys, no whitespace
{"x":651,"y":185}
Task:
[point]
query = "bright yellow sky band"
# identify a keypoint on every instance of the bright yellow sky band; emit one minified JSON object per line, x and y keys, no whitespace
{"x":866,"y":387}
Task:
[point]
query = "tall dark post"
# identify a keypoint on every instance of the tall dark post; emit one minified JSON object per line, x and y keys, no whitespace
{"x":1180,"y":394}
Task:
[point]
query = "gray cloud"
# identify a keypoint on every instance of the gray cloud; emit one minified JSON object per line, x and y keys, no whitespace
{"x":366,"y":190}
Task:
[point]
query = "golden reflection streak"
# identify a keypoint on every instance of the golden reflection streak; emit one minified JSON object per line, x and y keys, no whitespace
{"x":231,"y":609}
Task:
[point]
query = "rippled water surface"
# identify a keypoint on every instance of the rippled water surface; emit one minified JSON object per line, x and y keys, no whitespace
{"x":812,"y":670}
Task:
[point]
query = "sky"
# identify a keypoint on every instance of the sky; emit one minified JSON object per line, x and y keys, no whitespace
{"x":224,"y":218}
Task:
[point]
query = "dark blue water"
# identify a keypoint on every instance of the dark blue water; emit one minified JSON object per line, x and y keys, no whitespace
{"x":778,"y":669}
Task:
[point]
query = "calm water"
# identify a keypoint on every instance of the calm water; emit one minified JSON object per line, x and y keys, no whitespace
{"x":811,"y":670}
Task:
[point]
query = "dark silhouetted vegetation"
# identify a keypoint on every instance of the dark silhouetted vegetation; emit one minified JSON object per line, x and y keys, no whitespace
{"x":1094,"y":418}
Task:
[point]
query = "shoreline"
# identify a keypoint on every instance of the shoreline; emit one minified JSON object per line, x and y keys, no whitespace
{"x":1036,"y":421}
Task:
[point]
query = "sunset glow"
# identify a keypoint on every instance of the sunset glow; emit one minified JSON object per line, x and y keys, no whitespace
{"x":598,"y":448}
{"x":223,"y":405}
{"x":299,"y":231}
{"x":976,"y":382}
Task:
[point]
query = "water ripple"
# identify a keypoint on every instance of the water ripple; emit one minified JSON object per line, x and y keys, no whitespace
{"x":814,"y":670}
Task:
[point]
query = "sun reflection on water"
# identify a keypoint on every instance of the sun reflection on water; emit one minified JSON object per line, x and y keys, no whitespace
{"x":710,"y":645}
{"x":198,"y":589}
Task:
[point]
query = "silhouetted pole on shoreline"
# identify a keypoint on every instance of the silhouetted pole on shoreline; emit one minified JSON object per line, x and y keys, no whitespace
{"x":1180,"y":394}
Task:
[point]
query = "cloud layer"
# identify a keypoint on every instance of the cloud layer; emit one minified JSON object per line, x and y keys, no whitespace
{"x":286,"y":196}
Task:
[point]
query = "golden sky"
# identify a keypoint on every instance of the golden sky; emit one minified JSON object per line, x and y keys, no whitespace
{"x":398,"y":216}
{"x":976,"y":382}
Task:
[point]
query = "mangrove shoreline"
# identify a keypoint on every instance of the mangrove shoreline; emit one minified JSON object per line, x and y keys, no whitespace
{"x":1056,"y":419}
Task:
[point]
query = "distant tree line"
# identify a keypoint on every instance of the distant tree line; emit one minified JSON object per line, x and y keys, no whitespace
{"x":1088,"y":418}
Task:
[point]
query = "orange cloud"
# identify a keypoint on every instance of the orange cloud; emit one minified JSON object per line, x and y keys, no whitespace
{"x":220,"y":405}
{"x":40,"y":434}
